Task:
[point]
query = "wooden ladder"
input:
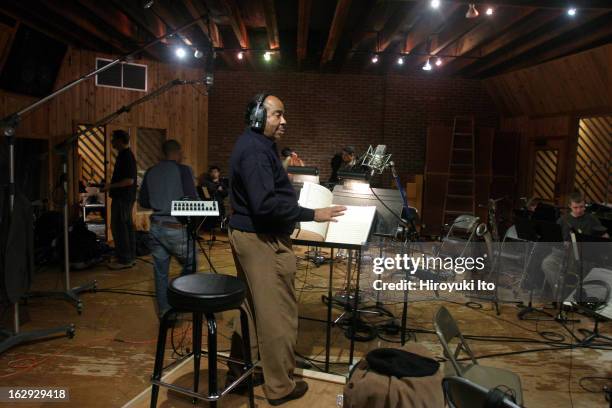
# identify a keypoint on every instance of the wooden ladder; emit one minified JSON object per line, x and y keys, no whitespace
{"x":460,"y":197}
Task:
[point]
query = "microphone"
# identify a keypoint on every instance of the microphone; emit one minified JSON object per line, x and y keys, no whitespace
{"x":376,"y":159}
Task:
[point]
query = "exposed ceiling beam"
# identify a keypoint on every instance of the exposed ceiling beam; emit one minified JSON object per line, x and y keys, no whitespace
{"x":335,"y":31}
{"x":115,"y":18}
{"x":51,"y":26}
{"x":552,"y":4}
{"x":304,"y":7}
{"x":143,"y":18}
{"x":481,"y":34}
{"x":271,"y":26}
{"x":232,"y":11}
{"x":597,"y":31}
{"x":123,"y":25}
{"x":426,"y":26}
{"x":544,"y":34}
{"x":208,"y":28}
{"x":361,"y":33}
{"x":522,"y":27}
{"x":451,"y":32}
{"x":12,"y":31}
{"x":407,"y":14}
{"x":77,"y":18}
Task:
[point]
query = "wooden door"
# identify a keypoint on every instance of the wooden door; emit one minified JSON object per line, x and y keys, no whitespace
{"x":548,"y":169}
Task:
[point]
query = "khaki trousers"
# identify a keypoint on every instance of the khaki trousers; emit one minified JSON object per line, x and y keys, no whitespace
{"x":267,"y":264}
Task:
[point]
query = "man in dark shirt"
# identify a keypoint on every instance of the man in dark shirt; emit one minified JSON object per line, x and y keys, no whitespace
{"x":265,"y":212}
{"x":122,"y":190}
{"x":213,"y":187}
{"x":168,"y":180}
{"x":581,"y":223}
{"x":578,"y":220}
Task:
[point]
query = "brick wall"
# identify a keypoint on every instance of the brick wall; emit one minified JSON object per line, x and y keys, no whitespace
{"x":325,"y":112}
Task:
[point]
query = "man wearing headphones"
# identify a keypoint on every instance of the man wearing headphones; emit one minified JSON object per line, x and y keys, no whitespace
{"x":265,"y":212}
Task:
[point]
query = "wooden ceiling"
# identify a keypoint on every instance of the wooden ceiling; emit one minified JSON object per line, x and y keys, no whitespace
{"x":330,"y":35}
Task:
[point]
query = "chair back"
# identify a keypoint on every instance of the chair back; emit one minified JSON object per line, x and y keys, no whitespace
{"x":447,"y":332}
{"x":463,"y":393}
{"x":465,"y":222}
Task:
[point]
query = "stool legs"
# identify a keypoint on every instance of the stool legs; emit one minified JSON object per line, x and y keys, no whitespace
{"x":212,"y":357}
{"x":197,"y":350}
{"x":246,"y":353}
{"x":213,"y":390}
{"x":159,"y":356}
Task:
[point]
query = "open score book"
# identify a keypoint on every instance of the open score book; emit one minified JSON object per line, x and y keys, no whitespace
{"x":351,"y":228}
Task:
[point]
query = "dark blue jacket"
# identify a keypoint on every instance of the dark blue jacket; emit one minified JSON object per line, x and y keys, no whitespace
{"x":261,"y":195}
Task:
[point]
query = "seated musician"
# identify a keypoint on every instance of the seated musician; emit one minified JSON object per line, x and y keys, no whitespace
{"x":345,"y":160}
{"x":579,"y":222}
{"x":214,"y":188}
{"x":290,"y":158}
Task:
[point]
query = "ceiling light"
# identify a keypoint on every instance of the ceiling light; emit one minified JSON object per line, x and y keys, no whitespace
{"x":489,"y":11}
{"x":374,"y":59}
{"x":472,"y":12}
{"x":435,"y":3}
{"x":180,"y":52}
{"x":427,"y":66}
{"x":400,"y":61}
{"x":198,"y":54}
{"x":267,"y":56}
{"x":148,"y":4}
{"x":571,"y":11}
{"x":240,"y":55}
{"x":438,"y":62}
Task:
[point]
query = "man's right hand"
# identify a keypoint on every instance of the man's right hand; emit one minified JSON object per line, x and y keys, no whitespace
{"x":329,"y":213}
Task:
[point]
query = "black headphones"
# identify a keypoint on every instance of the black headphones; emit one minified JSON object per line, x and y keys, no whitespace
{"x":257,"y":112}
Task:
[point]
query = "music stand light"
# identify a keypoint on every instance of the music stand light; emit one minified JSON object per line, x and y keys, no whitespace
{"x":302,"y":174}
{"x":355,"y":181}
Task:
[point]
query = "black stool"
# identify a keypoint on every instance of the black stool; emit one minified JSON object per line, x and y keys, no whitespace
{"x":204,"y":295}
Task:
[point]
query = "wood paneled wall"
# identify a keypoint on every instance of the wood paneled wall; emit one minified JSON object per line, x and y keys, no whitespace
{"x":34,"y":125}
{"x":557,"y":130}
{"x":580,"y":84}
{"x":181,"y":111}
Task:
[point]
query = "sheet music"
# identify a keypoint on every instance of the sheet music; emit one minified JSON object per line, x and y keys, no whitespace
{"x":353,"y":227}
{"x":314,"y":196}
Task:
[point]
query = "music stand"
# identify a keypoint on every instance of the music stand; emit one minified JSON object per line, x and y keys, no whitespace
{"x":535,"y":232}
{"x":385,"y":221}
{"x":388,"y":205}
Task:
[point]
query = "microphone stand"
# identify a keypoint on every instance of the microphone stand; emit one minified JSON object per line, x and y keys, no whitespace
{"x":9,"y":125}
{"x":72,"y":294}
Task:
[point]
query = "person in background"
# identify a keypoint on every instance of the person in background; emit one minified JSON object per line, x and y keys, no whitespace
{"x":580,"y":221}
{"x":290,"y":158}
{"x":532,"y":204}
{"x":214,"y":187}
{"x":349,"y":158}
{"x":122,"y":190}
{"x":345,"y":160}
{"x":168,"y":180}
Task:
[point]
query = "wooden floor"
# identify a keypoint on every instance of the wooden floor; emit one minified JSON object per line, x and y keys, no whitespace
{"x":110,"y":360}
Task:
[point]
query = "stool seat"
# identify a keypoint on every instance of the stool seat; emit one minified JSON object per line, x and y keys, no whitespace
{"x":206,"y":293}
